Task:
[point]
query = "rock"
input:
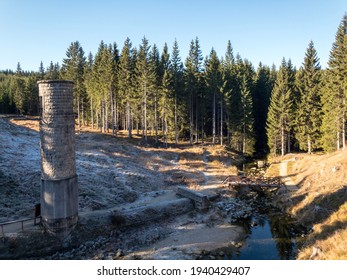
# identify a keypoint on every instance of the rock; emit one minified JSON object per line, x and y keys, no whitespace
{"x":316,"y":252}
{"x":335,"y":169}
{"x":119,"y":253}
{"x":221,"y":254}
{"x":89,"y":243}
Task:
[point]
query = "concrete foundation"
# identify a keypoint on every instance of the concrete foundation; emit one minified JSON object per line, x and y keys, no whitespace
{"x":59,"y":187}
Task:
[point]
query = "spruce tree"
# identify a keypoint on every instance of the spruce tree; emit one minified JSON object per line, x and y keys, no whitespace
{"x":145,"y":80}
{"x":213,"y":82}
{"x":261,"y":100}
{"x":334,"y":93}
{"x":247,"y":120}
{"x":90,"y":88}
{"x":280,"y":115}
{"x":229,"y":73}
{"x":193,"y":79}
{"x":126,"y":83}
{"x":41,"y":71}
{"x":154,"y":86}
{"x":73,"y":69}
{"x":178,"y":90}
{"x":308,"y":117}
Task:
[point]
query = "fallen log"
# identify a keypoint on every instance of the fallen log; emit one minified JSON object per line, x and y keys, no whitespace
{"x":254,"y":184}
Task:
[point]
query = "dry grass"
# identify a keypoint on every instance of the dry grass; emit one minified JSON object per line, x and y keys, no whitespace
{"x":320,"y":202}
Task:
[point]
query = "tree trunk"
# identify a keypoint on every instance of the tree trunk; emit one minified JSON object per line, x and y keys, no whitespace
{"x":156,"y":118}
{"x":166,"y":130}
{"x":214,"y":119}
{"x":244,"y":133}
{"x":91,"y":112}
{"x":97,"y":119}
{"x":100,"y":118}
{"x":116,"y":116}
{"x":309,"y":149}
{"x":106,"y":117}
{"x":338,"y":140}
{"x":221,"y":122}
{"x":145,"y":117}
{"x":196,"y":123}
{"x":282,"y":141}
{"x":191,"y":120}
{"x":228,"y":131}
{"x":176,"y":128}
{"x":112,"y":112}
{"x":129,"y":119}
{"x":78,"y":112}
{"x":83,"y":114}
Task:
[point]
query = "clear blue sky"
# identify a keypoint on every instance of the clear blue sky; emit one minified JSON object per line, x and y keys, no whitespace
{"x":37,"y":30}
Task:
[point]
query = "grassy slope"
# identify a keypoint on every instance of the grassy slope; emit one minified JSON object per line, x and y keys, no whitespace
{"x":321,"y":201}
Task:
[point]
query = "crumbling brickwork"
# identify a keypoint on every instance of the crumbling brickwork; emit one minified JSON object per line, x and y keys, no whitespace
{"x":59,"y":189}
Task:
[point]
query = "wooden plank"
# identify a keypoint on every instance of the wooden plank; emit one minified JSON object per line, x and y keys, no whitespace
{"x":254,"y":184}
{"x":200,"y":200}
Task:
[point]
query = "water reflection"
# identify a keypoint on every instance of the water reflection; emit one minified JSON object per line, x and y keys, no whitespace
{"x":270,"y":236}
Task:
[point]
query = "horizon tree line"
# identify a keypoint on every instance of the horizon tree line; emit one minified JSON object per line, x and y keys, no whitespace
{"x":221,"y":100}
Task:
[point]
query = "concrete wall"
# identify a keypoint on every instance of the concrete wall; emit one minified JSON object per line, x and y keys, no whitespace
{"x":59,"y":188}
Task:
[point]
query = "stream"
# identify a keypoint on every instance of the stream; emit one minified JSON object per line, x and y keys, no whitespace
{"x":270,"y":233}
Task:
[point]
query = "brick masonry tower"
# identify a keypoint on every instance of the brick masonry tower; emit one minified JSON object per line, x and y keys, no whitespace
{"x":59,"y":188}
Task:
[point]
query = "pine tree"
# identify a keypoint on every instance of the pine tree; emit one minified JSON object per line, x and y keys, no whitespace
{"x":242,"y":77}
{"x":126,"y":83}
{"x":213,"y":83}
{"x":154,"y":86}
{"x":88,"y":81}
{"x":280,"y":114}
{"x":229,"y":70}
{"x":73,"y":69}
{"x":114,"y":86}
{"x":41,"y":71}
{"x":247,"y":119}
{"x":334,"y":93}
{"x":18,"y":90}
{"x":31,"y":91}
{"x":192,"y":82}
{"x":261,"y":100}
{"x":308,"y":117}
{"x":145,"y":80}
{"x":177,"y":87}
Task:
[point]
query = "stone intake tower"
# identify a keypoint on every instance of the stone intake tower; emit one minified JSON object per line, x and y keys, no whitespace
{"x":59,"y":188}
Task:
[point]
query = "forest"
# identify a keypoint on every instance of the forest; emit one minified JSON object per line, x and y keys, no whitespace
{"x":222,"y":100}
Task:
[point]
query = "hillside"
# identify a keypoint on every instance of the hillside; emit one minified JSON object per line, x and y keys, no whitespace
{"x":320,"y":202}
{"x":123,"y":170}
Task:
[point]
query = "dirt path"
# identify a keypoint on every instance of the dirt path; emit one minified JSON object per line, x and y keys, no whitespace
{"x":288,"y":181}
{"x":207,"y":231}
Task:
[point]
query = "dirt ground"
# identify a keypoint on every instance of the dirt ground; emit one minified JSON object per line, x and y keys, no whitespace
{"x":118,"y":172}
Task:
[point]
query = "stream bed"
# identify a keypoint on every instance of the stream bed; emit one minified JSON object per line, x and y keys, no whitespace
{"x":270,"y":234}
